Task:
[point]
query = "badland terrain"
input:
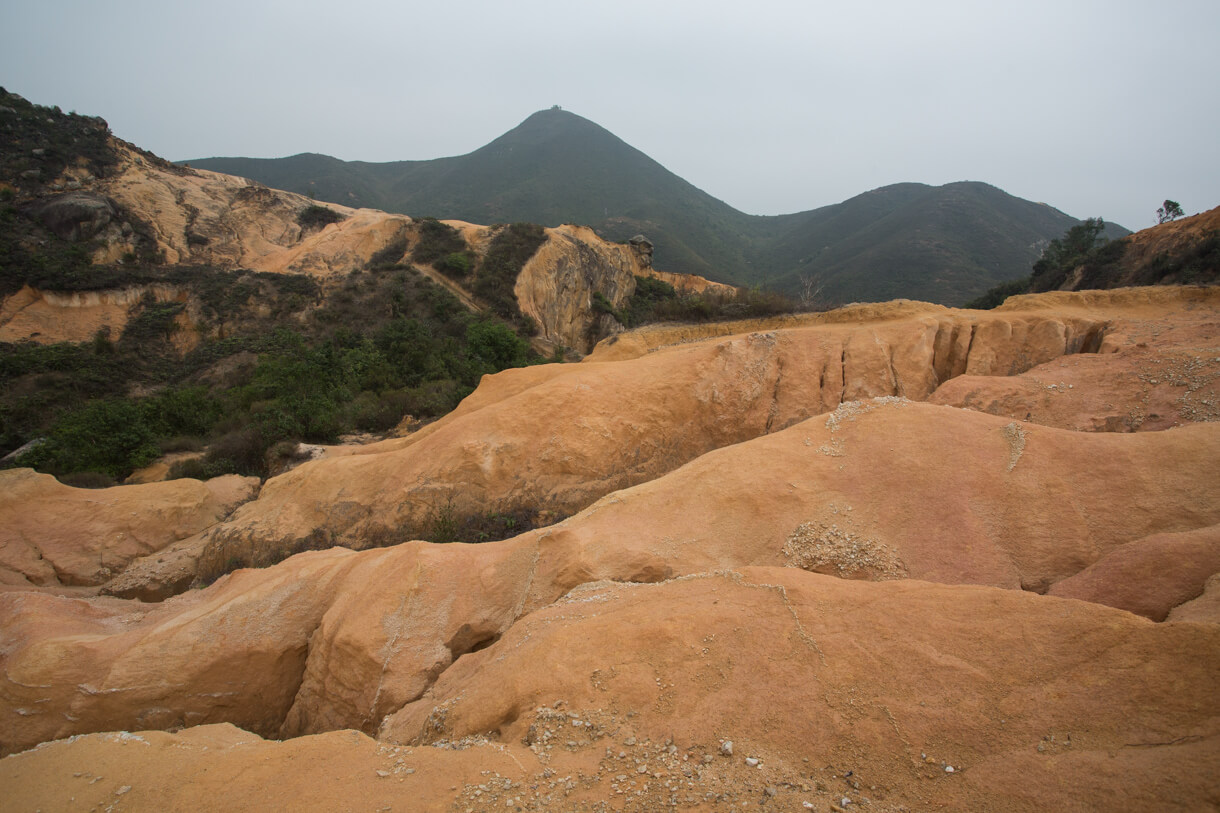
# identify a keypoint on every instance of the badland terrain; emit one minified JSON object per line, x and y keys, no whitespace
{"x":890,"y":556}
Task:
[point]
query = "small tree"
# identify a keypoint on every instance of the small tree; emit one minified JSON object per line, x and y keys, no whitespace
{"x":1170,"y":210}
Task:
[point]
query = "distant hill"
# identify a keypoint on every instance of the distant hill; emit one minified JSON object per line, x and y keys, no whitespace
{"x":945,"y":244}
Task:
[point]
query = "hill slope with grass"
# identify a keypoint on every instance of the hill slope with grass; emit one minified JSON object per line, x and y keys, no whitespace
{"x":149,"y":308}
{"x":941,"y":244}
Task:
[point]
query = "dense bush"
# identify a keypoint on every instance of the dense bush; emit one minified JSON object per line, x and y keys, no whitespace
{"x":1081,"y":245}
{"x":317,"y":217}
{"x":657,"y":301}
{"x":107,"y":436}
{"x":456,"y":265}
{"x":1082,"y":248}
{"x":388,"y":257}
{"x":507,"y":253}
{"x":47,"y":140}
{"x":996,"y":296}
{"x":1196,"y":264}
{"x":437,"y":240}
{"x":360,"y":355}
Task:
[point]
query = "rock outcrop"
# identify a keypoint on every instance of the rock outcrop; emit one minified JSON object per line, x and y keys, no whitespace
{"x":75,"y":316}
{"x":53,"y":534}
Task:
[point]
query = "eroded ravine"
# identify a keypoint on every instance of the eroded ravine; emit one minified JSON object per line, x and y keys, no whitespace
{"x":339,"y":639}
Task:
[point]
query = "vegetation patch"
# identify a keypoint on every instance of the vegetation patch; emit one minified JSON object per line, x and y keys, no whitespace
{"x":1081,"y":251}
{"x":389,"y":257}
{"x":284,"y":359}
{"x":41,"y":142}
{"x":510,"y":249}
{"x":655,"y":300}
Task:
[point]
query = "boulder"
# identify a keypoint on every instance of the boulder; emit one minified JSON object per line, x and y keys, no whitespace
{"x":76,"y":215}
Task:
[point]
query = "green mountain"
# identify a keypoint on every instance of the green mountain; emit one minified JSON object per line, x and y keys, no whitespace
{"x":945,"y":244}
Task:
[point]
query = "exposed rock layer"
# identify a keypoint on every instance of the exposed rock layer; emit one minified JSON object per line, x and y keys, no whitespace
{"x":53,"y":534}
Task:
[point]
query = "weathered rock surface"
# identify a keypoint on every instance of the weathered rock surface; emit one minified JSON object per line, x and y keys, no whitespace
{"x":220,"y":767}
{"x":1149,"y":374}
{"x":76,"y":215}
{"x":794,"y":446}
{"x":883,"y":490}
{"x":863,"y":678}
{"x":1149,"y":576}
{"x":1203,"y":610}
{"x":53,"y":534}
{"x":48,"y":316}
{"x":833,"y":689}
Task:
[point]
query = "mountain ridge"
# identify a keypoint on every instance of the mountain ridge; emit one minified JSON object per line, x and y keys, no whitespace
{"x":557,"y":167}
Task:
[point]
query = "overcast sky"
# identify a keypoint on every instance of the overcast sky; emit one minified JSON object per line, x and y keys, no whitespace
{"x":1097,"y":108}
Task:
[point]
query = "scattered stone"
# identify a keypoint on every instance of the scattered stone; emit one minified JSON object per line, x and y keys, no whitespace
{"x":726,"y":748}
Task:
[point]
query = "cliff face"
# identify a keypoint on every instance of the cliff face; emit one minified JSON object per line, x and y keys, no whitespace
{"x":556,"y":286}
{"x":75,"y":316}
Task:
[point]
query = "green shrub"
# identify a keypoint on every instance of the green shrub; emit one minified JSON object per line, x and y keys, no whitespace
{"x":456,"y":264}
{"x":496,"y":346}
{"x":1078,"y":246}
{"x":108,"y":436}
{"x":152,"y":322}
{"x":657,"y":301}
{"x":241,"y":451}
{"x":87,"y":479}
{"x":602,"y":305}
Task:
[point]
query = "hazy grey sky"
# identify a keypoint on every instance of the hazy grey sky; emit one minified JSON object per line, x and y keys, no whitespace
{"x":1097,"y":108}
